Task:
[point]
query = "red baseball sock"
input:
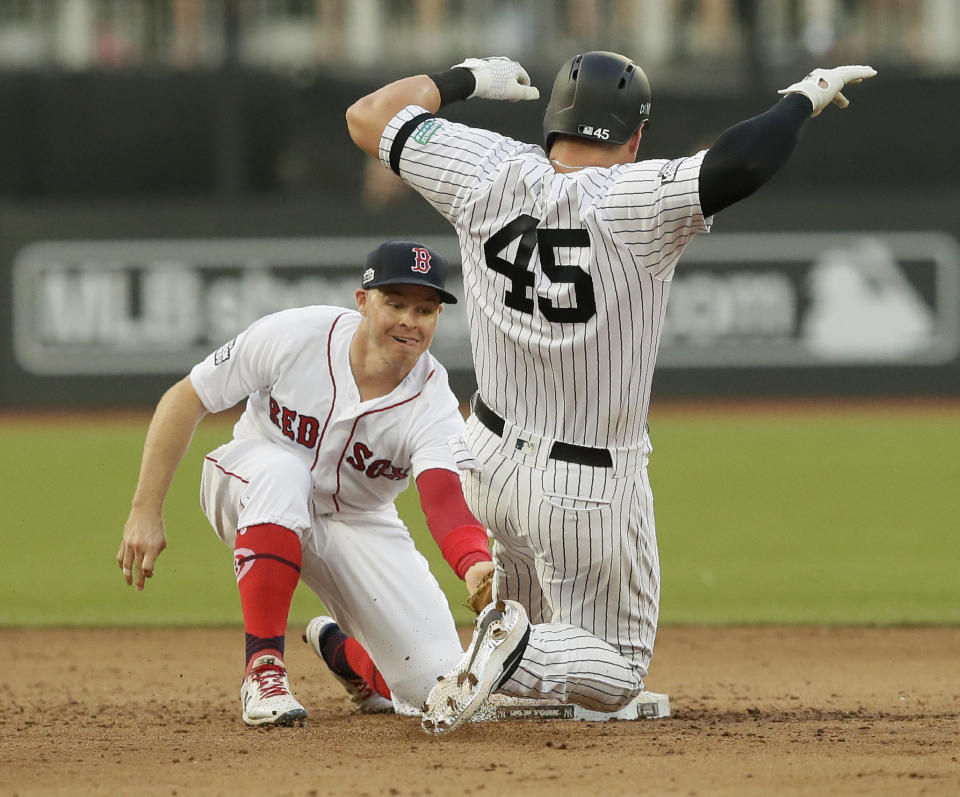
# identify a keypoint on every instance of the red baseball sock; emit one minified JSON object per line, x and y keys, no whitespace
{"x":267,"y":562}
{"x":345,"y":657}
{"x":361,"y":663}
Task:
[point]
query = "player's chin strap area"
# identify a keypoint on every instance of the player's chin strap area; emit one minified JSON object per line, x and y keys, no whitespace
{"x":567,"y":452}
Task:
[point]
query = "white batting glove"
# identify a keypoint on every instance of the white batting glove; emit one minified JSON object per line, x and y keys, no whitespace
{"x":823,"y":86}
{"x":500,"y":78}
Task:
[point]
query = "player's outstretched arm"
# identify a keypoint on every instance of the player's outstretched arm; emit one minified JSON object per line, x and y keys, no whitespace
{"x":494,"y":78}
{"x":168,"y":437}
{"x":748,"y":154}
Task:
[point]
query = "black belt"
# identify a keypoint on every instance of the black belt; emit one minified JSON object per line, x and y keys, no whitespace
{"x":581,"y":455}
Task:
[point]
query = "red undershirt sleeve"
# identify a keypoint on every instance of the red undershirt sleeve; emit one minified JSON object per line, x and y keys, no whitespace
{"x":462,"y":540}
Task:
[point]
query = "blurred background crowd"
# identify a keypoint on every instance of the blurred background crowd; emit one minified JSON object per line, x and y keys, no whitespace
{"x":299,"y":36}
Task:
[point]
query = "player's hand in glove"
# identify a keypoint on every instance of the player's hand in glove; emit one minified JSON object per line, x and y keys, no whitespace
{"x":479,"y":580}
{"x":823,"y":86}
{"x":500,"y":78}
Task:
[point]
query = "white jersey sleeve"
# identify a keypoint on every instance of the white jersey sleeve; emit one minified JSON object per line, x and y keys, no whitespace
{"x":442,"y":160}
{"x":653,"y":209}
{"x":247,"y":364}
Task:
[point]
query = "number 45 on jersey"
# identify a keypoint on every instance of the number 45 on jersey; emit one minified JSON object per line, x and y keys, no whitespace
{"x":520,"y":295}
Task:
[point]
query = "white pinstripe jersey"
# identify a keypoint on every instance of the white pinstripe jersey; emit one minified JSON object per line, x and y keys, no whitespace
{"x":566,"y":276}
{"x":294,"y":369}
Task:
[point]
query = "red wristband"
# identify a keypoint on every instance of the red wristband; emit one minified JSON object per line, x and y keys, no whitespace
{"x":465,"y":546}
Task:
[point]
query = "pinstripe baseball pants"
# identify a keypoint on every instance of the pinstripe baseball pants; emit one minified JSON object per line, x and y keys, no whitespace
{"x":576,"y":546}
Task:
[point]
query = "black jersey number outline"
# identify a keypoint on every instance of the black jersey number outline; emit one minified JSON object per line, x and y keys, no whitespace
{"x":521,"y":279}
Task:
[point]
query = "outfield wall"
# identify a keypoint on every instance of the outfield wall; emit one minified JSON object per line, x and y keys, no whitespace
{"x":108,"y":306}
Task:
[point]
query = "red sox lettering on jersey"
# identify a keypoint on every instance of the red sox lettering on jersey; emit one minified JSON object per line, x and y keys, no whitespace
{"x":308,"y":427}
{"x":376,"y":468}
{"x":307,"y":431}
{"x":294,"y":366}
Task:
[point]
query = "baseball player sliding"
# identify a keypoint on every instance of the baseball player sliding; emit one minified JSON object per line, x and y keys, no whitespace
{"x":342,"y":407}
{"x":568,"y":253}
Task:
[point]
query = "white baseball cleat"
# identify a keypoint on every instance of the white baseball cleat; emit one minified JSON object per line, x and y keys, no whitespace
{"x":364,"y":698}
{"x":499,"y":639}
{"x":265,"y":695}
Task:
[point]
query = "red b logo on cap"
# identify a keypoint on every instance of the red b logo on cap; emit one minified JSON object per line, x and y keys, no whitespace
{"x":421,"y":259}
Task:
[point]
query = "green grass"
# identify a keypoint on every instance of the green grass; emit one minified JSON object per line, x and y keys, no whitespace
{"x":807,"y":518}
{"x":819,"y":518}
{"x":66,"y":494}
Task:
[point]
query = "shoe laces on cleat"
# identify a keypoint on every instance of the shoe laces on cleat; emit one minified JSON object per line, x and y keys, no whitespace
{"x":270,"y":678}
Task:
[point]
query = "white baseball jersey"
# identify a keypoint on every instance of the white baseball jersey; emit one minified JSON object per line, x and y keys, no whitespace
{"x":309,"y":455}
{"x":566,"y":279}
{"x":294,"y":369}
{"x":566,"y":275}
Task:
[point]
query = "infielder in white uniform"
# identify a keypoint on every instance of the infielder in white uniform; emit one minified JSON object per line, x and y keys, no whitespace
{"x":342,"y":407}
{"x":568,"y":254}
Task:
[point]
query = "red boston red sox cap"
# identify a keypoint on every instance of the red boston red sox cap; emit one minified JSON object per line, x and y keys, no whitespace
{"x":407,"y":263}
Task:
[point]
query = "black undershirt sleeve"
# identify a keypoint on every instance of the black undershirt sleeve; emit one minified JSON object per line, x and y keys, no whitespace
{"x":748,"y":154}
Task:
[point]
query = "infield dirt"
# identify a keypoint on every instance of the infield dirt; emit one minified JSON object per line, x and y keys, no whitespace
{"x":757,"y":711}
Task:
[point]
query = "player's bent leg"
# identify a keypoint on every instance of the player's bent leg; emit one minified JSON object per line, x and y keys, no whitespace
{"x":256,"y":497}
{"x":350,"y":664}
{"x":248,"y":482}
{"x":367,"y":571}
{"x":558,"y":543}
{"x":567,"y":664}
{"x":597,"y":559}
